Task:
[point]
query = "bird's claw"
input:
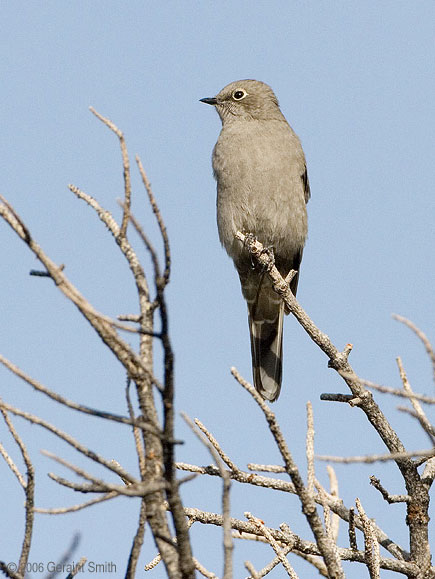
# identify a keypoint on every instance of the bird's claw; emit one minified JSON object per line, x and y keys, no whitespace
{"x":265,"y":251}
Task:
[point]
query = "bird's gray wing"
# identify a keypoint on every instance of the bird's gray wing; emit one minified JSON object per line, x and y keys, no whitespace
{"x":306,"y":184}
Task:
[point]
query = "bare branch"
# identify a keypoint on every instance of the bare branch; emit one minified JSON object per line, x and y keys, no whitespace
{"x":352,"y":535}
{"x":333,"y":482}
{"x":240,"y":476}
{"x":215,"y":444}
{"x":161,"y":224}
{"x":273,"y":543}
{"x":377,"y":457}
{"x":69,"y":440}
{"x":417,"y":507}
{"x":79,"y":507}
{"x":153,"y":563}
{"x":29,"y":490}
{"x":203,"y":571}
{"x":397,"y":392}
{"x":250,"y":567}
{"x":150,"y":247}
{"x":138,"y":368}
{"x":326,"y":508}
{"x":98,"y":485}
{"x":266,"y":467}
{"x":139,"y":423}
{"x":137,"y":542}
{"x":337,"y":360}
{"x":154,"y":443}
{"x":212,"y":445}
{"x":67,"y":555}
{"x":397,"y":565}
{"x":7,"y":570}
{"x":337,"y":397}
{"x":131,"y":361}
{"x":326,"y":545}
{"x":136,"y":434}
{"x":386,"y":495}
{"x":335,"y":504}
{"x":371,"y":545}
{"x":126,"y":166}
{"x":313,"y":560}
{"x":310,"y":449}
{"x":422,"y":336}
{"x":429,"y":473}
{"x":421,"y":416}
{"x":285,"y":549}
{"x":141,"y":489}
{"x":12,"y":466}
{"x":77,"y":568}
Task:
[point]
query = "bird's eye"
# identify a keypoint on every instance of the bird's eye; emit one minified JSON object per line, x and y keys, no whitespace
{"x":238,"y":95}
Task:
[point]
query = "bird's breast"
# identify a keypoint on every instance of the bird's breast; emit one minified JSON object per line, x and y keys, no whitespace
{"x":260,"y":190}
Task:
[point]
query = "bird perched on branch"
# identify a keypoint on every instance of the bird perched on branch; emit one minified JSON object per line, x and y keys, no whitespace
{"x":262,"y":189}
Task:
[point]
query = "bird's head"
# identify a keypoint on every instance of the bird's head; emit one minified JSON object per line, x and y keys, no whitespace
{"x":246,"y":99}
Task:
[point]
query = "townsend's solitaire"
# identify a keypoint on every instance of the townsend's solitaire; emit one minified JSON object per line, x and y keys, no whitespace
{"x":262,"y":189}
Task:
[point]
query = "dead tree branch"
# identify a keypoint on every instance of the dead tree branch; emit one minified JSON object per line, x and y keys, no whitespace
{"x":418,"y":505}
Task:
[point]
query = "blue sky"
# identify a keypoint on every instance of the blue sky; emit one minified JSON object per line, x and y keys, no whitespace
{"x":356,"y":82}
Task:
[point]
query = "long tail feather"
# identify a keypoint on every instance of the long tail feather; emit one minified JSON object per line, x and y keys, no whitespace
{"x":266,"y":348}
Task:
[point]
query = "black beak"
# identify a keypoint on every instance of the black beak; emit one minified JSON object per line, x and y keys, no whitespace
{"x":209,"y":101}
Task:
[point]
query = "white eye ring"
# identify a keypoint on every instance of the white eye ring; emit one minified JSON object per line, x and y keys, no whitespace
{"x":239,"y":94}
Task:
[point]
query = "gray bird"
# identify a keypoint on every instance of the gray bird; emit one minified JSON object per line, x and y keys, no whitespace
{"x":263,"y":189}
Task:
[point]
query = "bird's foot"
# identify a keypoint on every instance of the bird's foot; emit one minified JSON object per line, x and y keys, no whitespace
{"x":269,"y":253}
{"x":250,"y":242}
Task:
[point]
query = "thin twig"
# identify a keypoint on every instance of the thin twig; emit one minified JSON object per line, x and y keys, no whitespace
{"x":386,"y":495}
{"x":311,"y":475}
{"x":326,"y":508}
{"x":137,"y":439}
{"x":370,"y":458}
{"x":126,"y":166}
{"x":142,"y":489}
{"x":69,"y":440}
{"x":77,"y":568}
{"x":316,"y":562}
{"x":396,"y":391}
{"x":250,"y":567}
{"x":240,"y":476}
{"x":161,"y":224}
{"x":421,"y":416}
{"x":266,"y":467}
{"x":29,"y":490}
{"x":98,"y":485}
{"x":273,"y":543}
{"x":156,"y":560}
{"x":79,"y":507}
{"x":203,"y":571}
{"x":429,"y":472}
{"x":206,"y":438}
{"x":12,"y":466}
{"x":137,"y":541}
{"x":422,"y":336}
{"x":74,"y":405}
{"x":150,"y":247}
{"x":66,"y":557}
{"x":371,"y":545}
{"x":352,"y":534}
{"x":226,"y":459}
{"x":336,"y":397}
